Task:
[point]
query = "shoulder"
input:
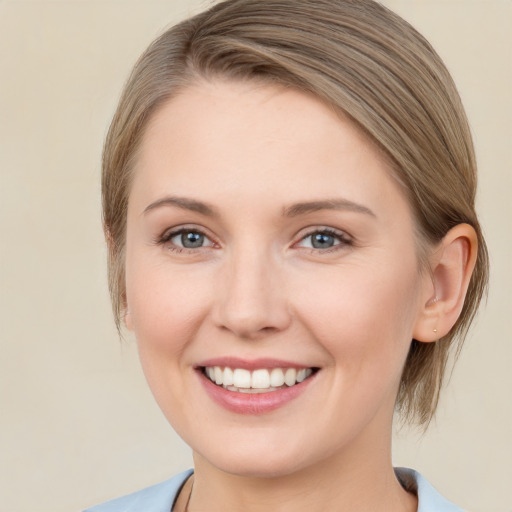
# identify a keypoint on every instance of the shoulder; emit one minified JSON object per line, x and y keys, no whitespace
{"x":429,"y":500}
{"x":157,"y":498}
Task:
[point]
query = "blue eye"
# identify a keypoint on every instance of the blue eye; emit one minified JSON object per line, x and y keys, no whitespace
{"x":187,"y":239}
{"x":190,"y":239}
{"x":324,"y":239}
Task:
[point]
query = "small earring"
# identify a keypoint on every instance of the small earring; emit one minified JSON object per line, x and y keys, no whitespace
{"x":435,"y":330}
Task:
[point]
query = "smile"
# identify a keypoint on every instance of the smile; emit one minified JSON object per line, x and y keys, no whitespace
{"x":262,"y":380}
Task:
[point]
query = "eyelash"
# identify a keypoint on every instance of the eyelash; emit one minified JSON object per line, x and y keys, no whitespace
{"x":167,"y":236}
{"x":343,"y":240}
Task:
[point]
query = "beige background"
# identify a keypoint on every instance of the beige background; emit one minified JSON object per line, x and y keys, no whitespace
{"x":78,"y":424}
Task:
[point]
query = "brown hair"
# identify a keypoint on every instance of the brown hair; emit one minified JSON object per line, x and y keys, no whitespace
{"x":364,"y":61}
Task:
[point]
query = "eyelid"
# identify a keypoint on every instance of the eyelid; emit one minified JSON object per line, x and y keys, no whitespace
{"x":343,"y":237}
{"x":170,"y":233}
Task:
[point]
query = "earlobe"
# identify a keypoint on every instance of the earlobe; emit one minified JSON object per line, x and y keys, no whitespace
{"x":452,"y":264}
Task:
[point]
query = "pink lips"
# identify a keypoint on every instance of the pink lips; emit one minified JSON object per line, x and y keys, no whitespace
{"x":248,"y":403}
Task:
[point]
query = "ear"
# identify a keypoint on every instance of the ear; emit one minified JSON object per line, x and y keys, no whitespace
{"x":451,"y":263}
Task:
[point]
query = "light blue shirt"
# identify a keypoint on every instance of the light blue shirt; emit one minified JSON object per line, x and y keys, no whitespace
{"x":161,"y":497}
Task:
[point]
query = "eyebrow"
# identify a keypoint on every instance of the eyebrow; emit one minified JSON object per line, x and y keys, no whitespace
{"x":290,"y":211}
{"x":183,"y":203}
{"x":329,"y":204}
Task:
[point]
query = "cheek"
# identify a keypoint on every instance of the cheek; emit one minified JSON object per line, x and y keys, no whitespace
{"x":166,"y":305}
{"x":363,"y":315}
{"x":167,"y":309}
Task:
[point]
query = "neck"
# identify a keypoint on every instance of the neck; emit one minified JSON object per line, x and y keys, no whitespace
{"x":360,"y":479}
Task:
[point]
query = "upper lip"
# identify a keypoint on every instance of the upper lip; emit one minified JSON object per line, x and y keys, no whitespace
{"x":250,"y":364}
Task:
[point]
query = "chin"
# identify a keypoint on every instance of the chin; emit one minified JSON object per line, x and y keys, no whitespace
{"x":260,"y":467}
{"x":258,"y":460}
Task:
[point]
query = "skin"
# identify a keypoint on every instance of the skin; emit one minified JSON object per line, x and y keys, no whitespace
{"x":257,"y":288}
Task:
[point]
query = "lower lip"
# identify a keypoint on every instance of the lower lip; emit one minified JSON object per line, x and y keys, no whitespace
{"x":252,"y":403}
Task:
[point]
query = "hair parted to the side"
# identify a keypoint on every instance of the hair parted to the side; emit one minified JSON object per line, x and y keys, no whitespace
{"x":364,"y":61}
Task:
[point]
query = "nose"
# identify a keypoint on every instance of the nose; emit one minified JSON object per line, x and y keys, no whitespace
{"x":251,"y":300}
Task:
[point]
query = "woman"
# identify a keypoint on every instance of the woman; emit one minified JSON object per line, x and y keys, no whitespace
{"x":288,"y":192}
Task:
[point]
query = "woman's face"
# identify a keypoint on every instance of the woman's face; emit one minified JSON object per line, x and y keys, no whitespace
{"x":267,"y":238}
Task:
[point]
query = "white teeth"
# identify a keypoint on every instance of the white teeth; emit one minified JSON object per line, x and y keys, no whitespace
{"x":218,"y":374}
{"x":290,"y":376}
{"x":261,"y":380}
{"x":276,"y":378}
{"x":242,"y":378}
{"x":228,"y":377}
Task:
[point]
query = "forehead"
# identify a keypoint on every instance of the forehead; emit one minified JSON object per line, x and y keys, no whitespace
{"x":221,"y":138}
